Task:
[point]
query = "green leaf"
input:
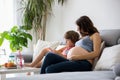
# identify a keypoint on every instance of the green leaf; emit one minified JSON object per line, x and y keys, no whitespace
{"x":12,"y":47}
{"x":26,"y":27}
{"x":1,"y":41}
{"x":29,"y":36}
{"x":14,"y":29}
{"x":7,"y":35}
{"x":4,"y":34}
{"x":22,"y":42}
{"x":61,"y":1}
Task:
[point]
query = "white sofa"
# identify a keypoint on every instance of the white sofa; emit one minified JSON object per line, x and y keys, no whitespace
{"x":111,"y":37}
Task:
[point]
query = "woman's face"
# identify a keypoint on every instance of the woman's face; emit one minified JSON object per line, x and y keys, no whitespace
{"x":81,"y":31}
{"x":69,"y":43}
{"x":78,"y":29}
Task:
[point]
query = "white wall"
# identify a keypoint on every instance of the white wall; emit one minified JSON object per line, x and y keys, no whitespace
{"x":105,"y":14}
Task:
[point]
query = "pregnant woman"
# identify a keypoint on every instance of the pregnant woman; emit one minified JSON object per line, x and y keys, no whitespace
{"x":80,"y":57}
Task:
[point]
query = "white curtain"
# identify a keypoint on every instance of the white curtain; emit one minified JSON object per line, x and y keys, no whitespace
{"x":7,"y":14}
{"x":7,"y":18}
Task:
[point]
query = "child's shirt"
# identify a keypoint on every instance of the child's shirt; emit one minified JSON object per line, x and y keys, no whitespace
{"x":66,"y":50}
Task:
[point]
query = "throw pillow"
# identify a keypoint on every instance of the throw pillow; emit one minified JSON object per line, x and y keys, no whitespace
{"x":119,"y":41}
{"x":44,"y":44}
{"x":110,"y":56}
{"x":116,"y":69}
{"x":117,"y":78}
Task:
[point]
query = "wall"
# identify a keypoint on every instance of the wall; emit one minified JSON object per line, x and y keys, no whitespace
{"x":103,"y":13}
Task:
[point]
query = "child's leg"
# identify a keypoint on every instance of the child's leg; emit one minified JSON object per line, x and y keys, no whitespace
{"x":38,"y":58}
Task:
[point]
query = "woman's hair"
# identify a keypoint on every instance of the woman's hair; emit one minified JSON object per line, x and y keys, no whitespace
{"x":72,"y":35}
{"x":86,"y":26}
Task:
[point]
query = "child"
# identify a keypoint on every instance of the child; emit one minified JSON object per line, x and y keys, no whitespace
{"x":70,"y":36}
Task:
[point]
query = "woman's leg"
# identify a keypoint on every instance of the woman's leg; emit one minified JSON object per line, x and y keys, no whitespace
{"x":50,"y":59}
{"x":38,"y":58}
{"x":38,"y":65}
{"x":54,"y":63}
{"x":69,"y":66}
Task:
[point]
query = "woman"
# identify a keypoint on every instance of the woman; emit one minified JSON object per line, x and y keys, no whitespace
{"x":80,"y":57}
{"x":70,"y":36}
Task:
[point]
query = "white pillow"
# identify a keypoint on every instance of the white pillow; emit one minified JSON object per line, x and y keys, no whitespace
{"x":44,"y":44}
{"x":110,"y":56}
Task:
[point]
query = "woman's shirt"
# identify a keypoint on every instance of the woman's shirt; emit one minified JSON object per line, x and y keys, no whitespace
{"x":85,"y":43}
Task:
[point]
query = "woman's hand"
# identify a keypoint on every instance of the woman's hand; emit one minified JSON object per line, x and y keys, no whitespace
{"x":73,"y":57}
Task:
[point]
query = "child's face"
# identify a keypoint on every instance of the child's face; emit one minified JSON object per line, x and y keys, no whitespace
{"x":69,"y":43}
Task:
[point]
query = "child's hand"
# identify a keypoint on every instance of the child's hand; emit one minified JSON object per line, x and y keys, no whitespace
{"x":50,"y":49}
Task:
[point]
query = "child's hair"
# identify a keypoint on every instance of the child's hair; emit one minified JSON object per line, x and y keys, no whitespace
{"x":72,"y":35}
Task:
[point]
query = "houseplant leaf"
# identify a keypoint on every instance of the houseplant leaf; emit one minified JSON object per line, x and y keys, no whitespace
{"x":35,"y":14}
{"x":1,"y":41}
{"x":17,"y":37}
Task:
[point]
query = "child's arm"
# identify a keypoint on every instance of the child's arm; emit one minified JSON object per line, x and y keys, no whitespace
{"x":57,"y":51}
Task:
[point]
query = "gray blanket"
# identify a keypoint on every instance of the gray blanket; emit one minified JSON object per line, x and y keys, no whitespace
{"x":93,"y":75}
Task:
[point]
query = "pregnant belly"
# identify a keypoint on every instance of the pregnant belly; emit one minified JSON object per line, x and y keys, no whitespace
{"x":76,"y":51}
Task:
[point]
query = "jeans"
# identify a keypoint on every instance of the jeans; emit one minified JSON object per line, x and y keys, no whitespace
{"x":54,"y":63}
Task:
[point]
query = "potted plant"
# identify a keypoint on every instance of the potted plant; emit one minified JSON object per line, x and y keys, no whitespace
{"x":17,"y":37}
{"x":35,"y":14}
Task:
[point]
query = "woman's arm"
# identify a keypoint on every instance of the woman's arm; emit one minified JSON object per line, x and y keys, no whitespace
{"x":90,"y":55}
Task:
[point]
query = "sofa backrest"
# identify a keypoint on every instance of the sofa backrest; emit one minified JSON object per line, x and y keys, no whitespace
{"x":111,"y":37}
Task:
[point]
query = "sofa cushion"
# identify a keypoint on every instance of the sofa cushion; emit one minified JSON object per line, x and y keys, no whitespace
{"x":109,"y":57}
{"x":110,"y":36}
{"x":119,"y":41}
{"x":90,"y":75}
{"x":116,"y":69}
{"x":44,"y":44}
{"x":117,"y":78}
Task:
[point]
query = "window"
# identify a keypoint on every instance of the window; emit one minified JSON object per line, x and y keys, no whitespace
{"x":7,"y":18}
{"x":7,"y":15}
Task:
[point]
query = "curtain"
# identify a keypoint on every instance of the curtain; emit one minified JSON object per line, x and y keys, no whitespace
{"x":7,"y":19}
{"x":7,"y":15}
